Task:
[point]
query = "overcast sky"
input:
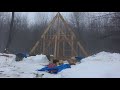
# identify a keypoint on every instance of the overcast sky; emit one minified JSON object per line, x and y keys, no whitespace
{"x":31,"y":15}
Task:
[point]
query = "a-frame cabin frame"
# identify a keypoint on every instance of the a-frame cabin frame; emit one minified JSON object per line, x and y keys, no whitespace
{"x":58,"y":41}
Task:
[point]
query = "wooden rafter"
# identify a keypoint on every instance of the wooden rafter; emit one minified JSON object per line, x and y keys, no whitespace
{"x":49,"y":42}
{"x":34,"y":47}
{"x":68,"y":40}
{"x":49,"y":25}
{"x":67,"y":26}
{"x":43,"y":34}
{"x":55,"y":39}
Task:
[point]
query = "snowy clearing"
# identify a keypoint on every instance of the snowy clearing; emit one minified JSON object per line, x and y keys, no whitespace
{"x":101,"y":65}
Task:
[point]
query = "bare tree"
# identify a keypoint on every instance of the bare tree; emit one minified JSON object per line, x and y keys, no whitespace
{"x":77,"y":21}
{"x":41,"y":21}
{"x":4,"y":28}
{"x":20,"y":35}
{"x":10,"y":33}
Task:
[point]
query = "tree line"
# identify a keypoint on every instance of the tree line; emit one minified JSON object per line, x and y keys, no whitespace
{"x":96,"y":33}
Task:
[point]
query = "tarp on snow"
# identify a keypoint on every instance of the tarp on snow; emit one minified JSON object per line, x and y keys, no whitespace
{"x":79,"y":58}
{"x":56,"y":69}
{"x":22,"y":55}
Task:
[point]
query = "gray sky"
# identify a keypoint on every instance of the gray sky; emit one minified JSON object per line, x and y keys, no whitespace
{"x":31,"y":15}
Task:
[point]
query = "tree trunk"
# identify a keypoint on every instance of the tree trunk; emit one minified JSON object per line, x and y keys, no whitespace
{"x":10,"y":34}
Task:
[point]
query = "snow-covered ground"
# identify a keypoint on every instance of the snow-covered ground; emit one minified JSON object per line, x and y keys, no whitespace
{"x":101,"y":65}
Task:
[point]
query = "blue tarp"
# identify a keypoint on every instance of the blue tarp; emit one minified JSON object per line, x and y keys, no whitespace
{"x":56,"y":69}
{"x":22,"y":55}
{"x":79,"y":58}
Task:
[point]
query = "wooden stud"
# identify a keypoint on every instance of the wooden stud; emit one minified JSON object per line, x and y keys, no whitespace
{"x":55,"y":49}
{"x":69,"y":42}
{"x":72,"y":54}
{"x":49,"y":26}
{"x":56,"y":39}
{"x":63,"y":48}
{"x":67,"y":26}
{"x":34,"y":47}
{"x":44,"y":42}
{"x":81,"y":47}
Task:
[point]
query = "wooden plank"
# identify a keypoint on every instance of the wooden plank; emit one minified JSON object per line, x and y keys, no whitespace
{"x":44,"y":45}
{"x":49,"y":25}
{"x":83,"y":50}
{"x":49,"y":42}
{"x":56,"y":34}
{"x":58,"y":42}
{"x":58,"y":37}
{"x":58,"y":48}
{"x":34,"y":47}
{"x":44,"y":34}
{"x":55,"y":50}
{"x":68,"y":40}
{"x":67,"y":26}
{"x":63,"y":48}
{"x":69,"y":43}
{"x":72,"y":54}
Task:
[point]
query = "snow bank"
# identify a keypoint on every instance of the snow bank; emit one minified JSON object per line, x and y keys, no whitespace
{"x":104,"y":57}
{"x":101,"y":65}
{"x":41,"y":59}
{"x":6,"y":59}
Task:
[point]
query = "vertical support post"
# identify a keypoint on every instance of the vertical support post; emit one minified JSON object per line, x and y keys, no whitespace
{"x":44,"y":45}
{"x":72,"y":54}
{"x":63,"y":48}
{"x":58,"y":37}
{"x":55,"y":50}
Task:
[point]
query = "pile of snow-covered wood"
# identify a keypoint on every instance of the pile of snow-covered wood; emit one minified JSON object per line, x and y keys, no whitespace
{"x":101,"y":65}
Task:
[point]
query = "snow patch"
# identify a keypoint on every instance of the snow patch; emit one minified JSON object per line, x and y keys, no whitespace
{"x":104,"y":57}
{"x":6,"y":59}
{"x":101,"y":65}
{"x":41,"y":59}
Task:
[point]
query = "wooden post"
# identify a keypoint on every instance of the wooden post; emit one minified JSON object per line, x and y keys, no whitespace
{"x":49,"y":42}
{"x":69,"y":42}
{"x":44,"y":45}
{"x":55,"y":49}
{"x":72,"y":54}
{"x":63,"y":48}
{"x":44,"y":35}
{"x":67,"y":26}
{"x":34,"y":47}
{"x":86,"y":54}
{"x":58,"y":37}
{"x":49,"y":26}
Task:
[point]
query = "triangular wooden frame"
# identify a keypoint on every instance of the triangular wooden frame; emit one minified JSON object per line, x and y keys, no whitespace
{"x":56,"y":37}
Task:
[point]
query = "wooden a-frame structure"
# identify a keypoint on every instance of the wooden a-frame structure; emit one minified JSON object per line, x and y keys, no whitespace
{"x":59,"y":40}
